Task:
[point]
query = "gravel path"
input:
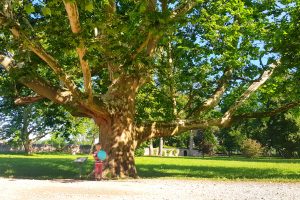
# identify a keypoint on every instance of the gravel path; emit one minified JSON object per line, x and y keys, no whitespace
{"x":17,"y":189}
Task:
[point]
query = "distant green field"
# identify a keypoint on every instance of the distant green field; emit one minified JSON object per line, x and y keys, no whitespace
{"x":53,"y":166}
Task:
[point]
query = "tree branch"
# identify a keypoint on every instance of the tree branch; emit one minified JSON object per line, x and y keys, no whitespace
{"x":42,"y":88}
{"x":215,"y":98}
{"x":184,"y":8}
{"x":111,"y":7}
{"x":27,"y":100}
{"x":6,"y":62}
{"x":143,"y":45}
{"x":252,"y":88}
{"x":73,"y":16}
{"x":271,"y":113}
{"x":163,"y":129}
{"x":164,"y":5}
{"x":152,"y":5}
{"x":37,"y":84}
{"x":152,"y":44}
{"x":57,"y":95}
{"x":37,"y":124}
{"x":52,"y":63}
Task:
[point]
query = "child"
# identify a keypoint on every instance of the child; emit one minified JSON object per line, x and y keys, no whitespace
{"x":98,"y":163}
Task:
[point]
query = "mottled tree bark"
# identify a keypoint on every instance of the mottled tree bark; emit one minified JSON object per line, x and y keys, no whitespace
{"x":118,"y":140}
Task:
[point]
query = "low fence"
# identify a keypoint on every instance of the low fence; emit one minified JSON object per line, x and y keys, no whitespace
{"x":172,"y":152}
{"x":39,"y":148}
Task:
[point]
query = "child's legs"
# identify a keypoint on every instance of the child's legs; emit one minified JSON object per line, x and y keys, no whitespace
{"x":98,"y":169}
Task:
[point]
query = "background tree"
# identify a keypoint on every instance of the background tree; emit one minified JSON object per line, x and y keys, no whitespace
{"x":279,"y":133}
{"x":25,"y":125}
{"x":203,"y":59}
{"x":283,"y":134}
{"x":205,"y":141}
{"x":231,"y":139}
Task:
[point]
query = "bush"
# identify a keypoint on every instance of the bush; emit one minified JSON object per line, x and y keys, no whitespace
{"x":222,"y":150}
{"x":139,"y":152}
{"x":251,"y":148}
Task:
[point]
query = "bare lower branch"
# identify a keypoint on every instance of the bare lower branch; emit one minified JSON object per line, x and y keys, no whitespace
{"x":27,"y":100}
{"x":42,"y":88}
{"x":252,"y":88}
{"x":57,"y":95}
{"x":37,"y":84}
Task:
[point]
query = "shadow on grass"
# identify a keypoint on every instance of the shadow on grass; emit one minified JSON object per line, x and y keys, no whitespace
{"x":41,"y":168}
{"x":166,"y":170}
{"x":63,"y":167}
{"x":240,"y":159}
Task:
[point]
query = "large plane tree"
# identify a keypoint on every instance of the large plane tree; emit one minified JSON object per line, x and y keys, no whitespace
{"x":149,"y":68}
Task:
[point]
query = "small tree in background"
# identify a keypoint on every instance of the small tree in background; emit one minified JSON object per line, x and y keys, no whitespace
{"x":251,"y":148}
{"x":230,"y":140}
{"x":205,"y":141}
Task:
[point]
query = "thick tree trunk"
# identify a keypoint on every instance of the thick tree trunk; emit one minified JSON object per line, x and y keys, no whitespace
{"x":118,"y":140}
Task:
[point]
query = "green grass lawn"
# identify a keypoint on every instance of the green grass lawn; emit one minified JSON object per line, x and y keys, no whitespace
{"x":53,"y":166}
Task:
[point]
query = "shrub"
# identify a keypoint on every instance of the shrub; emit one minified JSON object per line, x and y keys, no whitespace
{"x":139,"y":152}
{"x":251,"y":148}
{"x":222,"y":150}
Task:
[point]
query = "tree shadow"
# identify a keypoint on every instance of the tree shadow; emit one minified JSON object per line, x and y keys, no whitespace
{"x":65,"y":168}
{"x":41,"y":168}
{"x":218,"y":172}
{"x":67,"y":180}
{"x":242,"y":159}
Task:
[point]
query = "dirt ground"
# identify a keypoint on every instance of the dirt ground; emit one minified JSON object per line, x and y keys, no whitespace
{"x":17,"y":189}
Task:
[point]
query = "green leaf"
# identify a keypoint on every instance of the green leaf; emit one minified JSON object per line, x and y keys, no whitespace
{"x":29,"y":9}
{"x":89,"y":7}
{"x":46,"y":11}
